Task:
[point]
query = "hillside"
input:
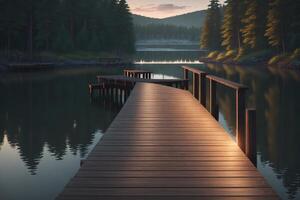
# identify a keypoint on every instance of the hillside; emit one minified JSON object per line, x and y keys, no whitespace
{"x":194,"y":19}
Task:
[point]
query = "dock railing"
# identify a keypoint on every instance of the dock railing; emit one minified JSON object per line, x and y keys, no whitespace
{"x":245,"y":118}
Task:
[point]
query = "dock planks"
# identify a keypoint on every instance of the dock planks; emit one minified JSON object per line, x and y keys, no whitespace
{"x":164,"y":145}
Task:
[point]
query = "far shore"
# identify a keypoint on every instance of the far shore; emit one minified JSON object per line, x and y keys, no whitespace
{"x":36,"y":66}
{"x":254,"y":63}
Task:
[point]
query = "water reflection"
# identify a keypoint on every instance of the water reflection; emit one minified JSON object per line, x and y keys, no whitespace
{"x":48,"y":119}
{"x":274,"y":93}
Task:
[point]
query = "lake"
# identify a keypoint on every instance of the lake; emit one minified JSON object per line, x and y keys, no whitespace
{"x":48,"y":123}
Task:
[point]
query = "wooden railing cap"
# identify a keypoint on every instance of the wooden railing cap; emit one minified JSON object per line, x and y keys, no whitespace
{"x":136,"y":71}
{"x":197,"y":71}
{"x":227,"y":83}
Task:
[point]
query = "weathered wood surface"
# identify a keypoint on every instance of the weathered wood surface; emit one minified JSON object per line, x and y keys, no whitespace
{"x":164,"y":145}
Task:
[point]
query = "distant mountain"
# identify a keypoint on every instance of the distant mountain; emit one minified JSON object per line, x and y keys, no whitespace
{"x":194,"y":19}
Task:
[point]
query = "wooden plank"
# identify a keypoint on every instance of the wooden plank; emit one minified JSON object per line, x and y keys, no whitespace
{"x":168,"y":183}
{"x":166,"y":154}
{"x":78,"y":197}
{"x":160,"y":165}
{"x":164,"y":145}
{"x":169,"y":174}
{"x":212,"y":192}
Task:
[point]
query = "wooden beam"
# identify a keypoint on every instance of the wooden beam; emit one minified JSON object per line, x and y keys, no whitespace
{"x":240,"y":118}
{"x":213,"y":99}
{"x":251,"y":135}
{"x":196,"y":86}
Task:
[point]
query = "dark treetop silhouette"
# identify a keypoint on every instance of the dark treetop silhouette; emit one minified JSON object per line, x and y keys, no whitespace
{"x":65,"y":26}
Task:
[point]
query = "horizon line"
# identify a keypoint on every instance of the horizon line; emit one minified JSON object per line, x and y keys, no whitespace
{"x":169,"y":16}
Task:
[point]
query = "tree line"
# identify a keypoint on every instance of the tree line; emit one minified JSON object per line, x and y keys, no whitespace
{"x":66,"y":25}
{"x":163,"y":31}
{"x":252,"y":25}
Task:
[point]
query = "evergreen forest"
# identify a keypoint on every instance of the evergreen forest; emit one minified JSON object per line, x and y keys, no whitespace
{"x":59,"y":26}
{"x":253,"y":30}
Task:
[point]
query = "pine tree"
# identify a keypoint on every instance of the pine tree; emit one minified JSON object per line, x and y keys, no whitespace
{"x":254,"y":22}
{"x":10,"y":24}
{"x":47,"y":19}
{"x":82,"y":38}
{"x":211,"y":37}
{"x":231,"y":29}
{"x":295,"y":25}
{"x":125,"y":28}
{"x":66,"y":25}
{"x":279,"y":23}
{"x":62,"y":41}
{"x":95,"y":44}
{"x":30,"y":8}
{"x":72,"y":11}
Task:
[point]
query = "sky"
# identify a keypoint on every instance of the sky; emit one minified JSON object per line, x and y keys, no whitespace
{"x":166,"y":8}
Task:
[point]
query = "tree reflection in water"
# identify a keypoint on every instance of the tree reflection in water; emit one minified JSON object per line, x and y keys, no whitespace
{"x":40,"y":113}
{"x":274,"y":93}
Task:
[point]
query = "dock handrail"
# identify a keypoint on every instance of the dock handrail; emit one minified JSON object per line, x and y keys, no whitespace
{"x":199,"y":92}
{"x":197,"y":71}
{"x":199,"y":83}
{"x":228,"y":83}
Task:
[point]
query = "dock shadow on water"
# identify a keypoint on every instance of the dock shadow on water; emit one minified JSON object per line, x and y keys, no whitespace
{"x":47,"y":125}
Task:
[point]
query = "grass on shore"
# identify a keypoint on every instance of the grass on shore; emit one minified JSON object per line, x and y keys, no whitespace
{"x":259,"y":57}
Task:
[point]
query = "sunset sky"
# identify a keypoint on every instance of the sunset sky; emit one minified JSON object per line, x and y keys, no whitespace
{"x":166,"y":8}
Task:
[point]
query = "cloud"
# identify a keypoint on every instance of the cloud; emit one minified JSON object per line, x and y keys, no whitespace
{"x":159,"y":8}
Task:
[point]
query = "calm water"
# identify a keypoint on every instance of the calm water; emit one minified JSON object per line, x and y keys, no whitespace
{"x":48,"y":123}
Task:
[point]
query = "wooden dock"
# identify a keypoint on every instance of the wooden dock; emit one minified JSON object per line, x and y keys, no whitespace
{"x":179,"y":83}
{"x":164,"y":145}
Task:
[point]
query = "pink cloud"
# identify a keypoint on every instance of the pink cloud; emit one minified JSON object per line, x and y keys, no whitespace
{"x":159,"y":8}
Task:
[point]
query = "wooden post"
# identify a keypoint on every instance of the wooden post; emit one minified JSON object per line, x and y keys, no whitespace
{"x":203,"y":89}
{"x":216,"y":112}
{"x":91,"y":90}
{"x":251,"y":135}
{"x":240,"y":118}
{"x":101,"y":90}
{"x":196,"y":84}
{"x":185,"y":74}
{"x":186,"y":77}
{"x":213,"y":99}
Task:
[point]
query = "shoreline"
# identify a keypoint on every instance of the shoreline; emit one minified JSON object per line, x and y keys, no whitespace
{"x":253,"y":64}
{"x":40,"y":66}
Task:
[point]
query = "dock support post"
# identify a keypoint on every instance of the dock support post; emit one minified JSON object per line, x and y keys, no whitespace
{"x":203,"y":89}
{"x":213,"y":99}
{"x":186,"y":77}
{"x":251,"y":135}
{"x":240,"y":118}
{"x":91,"y":90}
{"x":196,"y":84}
